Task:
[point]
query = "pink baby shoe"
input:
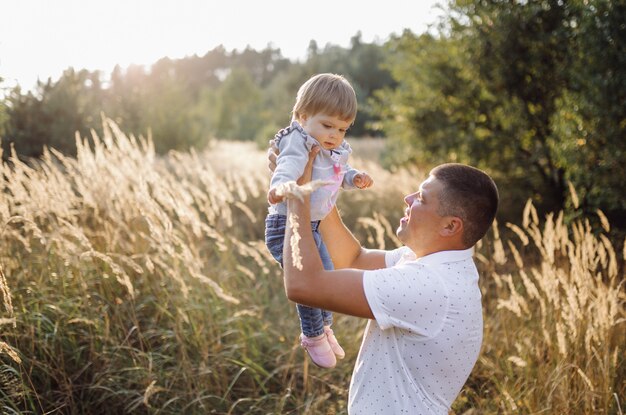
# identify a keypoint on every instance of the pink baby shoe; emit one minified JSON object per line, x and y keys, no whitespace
{"x":319,"y":349}
{"x":334,"y":344}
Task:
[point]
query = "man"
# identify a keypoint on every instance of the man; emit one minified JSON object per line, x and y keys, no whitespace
{"x":423,"y":300}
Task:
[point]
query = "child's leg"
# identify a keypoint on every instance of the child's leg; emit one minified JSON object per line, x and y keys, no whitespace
{"x":275,"y":226}
{"x":315,"y":321}
{"x":315,"y":340}
{"x":311,"y":321}
{"x":314,"y":337}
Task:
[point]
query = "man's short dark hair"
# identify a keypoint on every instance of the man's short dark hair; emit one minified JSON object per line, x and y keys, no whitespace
{"x":470,"y":194}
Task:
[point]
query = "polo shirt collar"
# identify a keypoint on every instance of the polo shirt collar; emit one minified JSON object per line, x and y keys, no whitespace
{"x":446,"y":256}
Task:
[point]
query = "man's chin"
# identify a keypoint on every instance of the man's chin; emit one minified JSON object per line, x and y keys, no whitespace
{"x":400,"y":233}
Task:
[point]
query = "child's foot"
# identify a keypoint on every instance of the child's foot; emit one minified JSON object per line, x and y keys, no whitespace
{"x":334,"y":344}
{"x":319,"y":349}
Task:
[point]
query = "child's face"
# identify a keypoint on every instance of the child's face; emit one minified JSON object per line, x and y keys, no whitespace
{"x":326,"y":129}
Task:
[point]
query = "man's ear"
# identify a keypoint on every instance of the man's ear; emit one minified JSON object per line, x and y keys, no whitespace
{"x":452,"y":226}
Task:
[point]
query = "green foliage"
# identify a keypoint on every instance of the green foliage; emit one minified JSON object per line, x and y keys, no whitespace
{"x":361,"y":64}
{"x":532,"y":91}
{"x":236,"y":112}
{"x":53,"y":114}
{"x":3,"y":112}
{"x":442,"y":111}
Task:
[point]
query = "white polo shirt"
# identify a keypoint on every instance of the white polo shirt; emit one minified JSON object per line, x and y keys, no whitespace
{"x":418,"y":353}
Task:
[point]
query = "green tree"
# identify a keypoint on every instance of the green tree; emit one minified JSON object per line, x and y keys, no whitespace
{"x":590,"y":124}
{"x":565,"y":61}
{"x":167,"y":113}
{"x":4,"y":117}
{"x":236,"y":113}
{"x":518,"y":88}
{"x":52,"y":114}
{"x":72,"y":105}
{"x":442,"y":109}
{"x":125,"y":98}
{"x":26,"y":129}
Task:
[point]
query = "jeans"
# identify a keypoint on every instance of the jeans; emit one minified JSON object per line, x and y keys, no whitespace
{"x":312,"y":320}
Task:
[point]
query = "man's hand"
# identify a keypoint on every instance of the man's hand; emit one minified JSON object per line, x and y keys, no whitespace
{"x":308,"y":169}
{"x":363,"y":180}
{"x":273,"y":198}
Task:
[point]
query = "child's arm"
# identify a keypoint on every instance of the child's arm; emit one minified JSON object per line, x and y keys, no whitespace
{"x":354,"y":178}
{"x":290,"y":163}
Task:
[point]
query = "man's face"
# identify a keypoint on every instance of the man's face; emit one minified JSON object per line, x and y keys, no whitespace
{"x":421,"y":222}
{"x":326,"y":129}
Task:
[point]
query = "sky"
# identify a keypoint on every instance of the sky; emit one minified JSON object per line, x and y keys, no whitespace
{"x":41,"y":38}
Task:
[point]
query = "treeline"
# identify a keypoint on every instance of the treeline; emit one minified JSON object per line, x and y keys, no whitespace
{"x":182,"y":103}
{"x":532,"y":91}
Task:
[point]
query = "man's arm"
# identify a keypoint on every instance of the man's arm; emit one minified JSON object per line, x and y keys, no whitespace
{"x":344,"y":249}
{"x":340,"y":291}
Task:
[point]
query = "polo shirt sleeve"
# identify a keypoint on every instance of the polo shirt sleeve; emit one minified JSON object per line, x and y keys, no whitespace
{"x":410,"y":296}
{"x":392,"y":257}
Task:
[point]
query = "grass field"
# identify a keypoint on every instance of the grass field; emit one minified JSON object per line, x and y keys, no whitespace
{"x":133,"y":283}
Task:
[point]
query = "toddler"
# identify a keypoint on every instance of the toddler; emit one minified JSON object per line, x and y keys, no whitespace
{"x":325,"y":107}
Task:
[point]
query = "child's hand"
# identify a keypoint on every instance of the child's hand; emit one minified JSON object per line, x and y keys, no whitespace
{"x":273,"y":198}
{"x":362,"y":180}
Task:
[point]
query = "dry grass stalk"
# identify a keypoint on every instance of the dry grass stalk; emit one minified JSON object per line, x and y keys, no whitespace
{"x":291,"y":190}
{"x":11,"y":321}
{"x":519,"y":232}
{"x":498,"y":249}
{"x":9,"y":351}
{"x":379,"y":231}
{"x":516,"y":255}
{"x":389,"y":231}
{"x":573,"y":194}
{"x":529,"y":216}
{"x":6,"y":295}
{"x":604,"y":221}
{"x":246,"y":271}
{"x":517,"y":361}
{"x":294,"y":241}
{"x":150,"y":390}
{"x":510,"y":400}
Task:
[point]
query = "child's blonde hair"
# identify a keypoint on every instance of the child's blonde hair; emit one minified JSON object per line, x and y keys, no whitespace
{"x":326,"y":93}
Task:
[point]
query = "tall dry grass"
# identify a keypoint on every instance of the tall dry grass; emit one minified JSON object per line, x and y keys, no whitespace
{"x":554,"y":333}
{"x":132,"y":283}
